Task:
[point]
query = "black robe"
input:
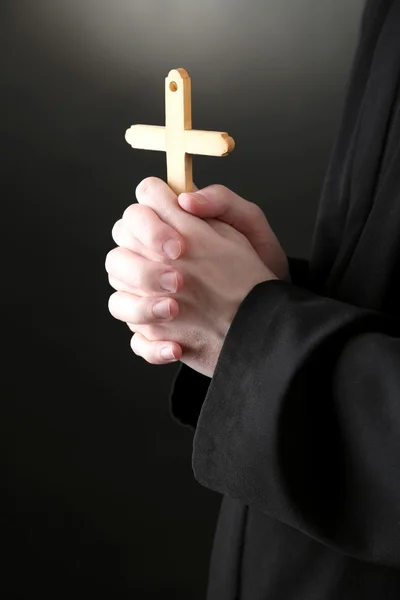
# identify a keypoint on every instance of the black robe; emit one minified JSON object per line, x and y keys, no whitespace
{"x":299,"y":428}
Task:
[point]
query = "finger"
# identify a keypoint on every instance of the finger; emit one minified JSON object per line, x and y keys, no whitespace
{"x":140,"y":223}
{"x":120,"y":286}
{"x":156,"y":194}
{"x":142,"y":311}
{"x":218,"y":201}
{"x":145,"y":276}
{"x":125,"y":231}
{"x":152,"y":351}
{"x":123,"y":237}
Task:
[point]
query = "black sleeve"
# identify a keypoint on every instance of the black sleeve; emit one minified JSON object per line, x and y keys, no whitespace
{"x":299,"y":272}
{"x":186,"y":398}
{"x":189,"y":388}
{"x":302,"y":419}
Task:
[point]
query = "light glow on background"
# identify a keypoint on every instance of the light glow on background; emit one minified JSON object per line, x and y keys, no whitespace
{"x":230,"y":38}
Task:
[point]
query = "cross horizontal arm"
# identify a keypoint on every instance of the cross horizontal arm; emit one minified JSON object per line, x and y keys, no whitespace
{"x":206,"y":143}
{"x":147,"y":137}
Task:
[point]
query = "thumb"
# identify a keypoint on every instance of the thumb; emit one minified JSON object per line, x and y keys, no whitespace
{"x":219,"y":202}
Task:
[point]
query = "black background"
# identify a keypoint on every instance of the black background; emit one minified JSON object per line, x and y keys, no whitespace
{"x":97,"y":492}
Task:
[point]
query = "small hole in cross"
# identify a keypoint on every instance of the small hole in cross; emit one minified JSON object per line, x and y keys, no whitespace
{"x":173,"y":86}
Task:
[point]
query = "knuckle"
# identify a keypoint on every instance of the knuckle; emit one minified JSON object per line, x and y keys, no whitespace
{"x":220,"y":193}
{"x":135,"y":345}
{"x":110,"y":260}
{"x":113,"y":282}
{"x":140,"y":219}
{"x":113,"y":261}
{"x":140,"y":347}
{"x":132,"y":212}
{"x":148,"y":227}
{"x":151,"y":232}
{"x":129,"y":212}
{"x":125,"y":307}
{"x":144,"y":186}
{"x":255,"y":211}
{"x":221,"y":198}
{"x":117,"y":231}
{"x":219,"y":189}
{"x":113,"y":304}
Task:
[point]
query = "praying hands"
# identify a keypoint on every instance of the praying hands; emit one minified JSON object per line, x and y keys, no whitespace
{"x":180,"y":279}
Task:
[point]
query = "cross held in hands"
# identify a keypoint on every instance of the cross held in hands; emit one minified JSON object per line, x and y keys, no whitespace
{"x":177,"y":138}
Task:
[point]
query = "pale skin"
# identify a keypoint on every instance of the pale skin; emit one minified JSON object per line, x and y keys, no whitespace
{"x":224,"y":247}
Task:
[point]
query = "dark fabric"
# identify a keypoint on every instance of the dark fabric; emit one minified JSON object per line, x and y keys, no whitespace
{"x":299,"y":270}
{"x":189,"y":390}
{"x":299,"y":428}
{"x":187,"y":411}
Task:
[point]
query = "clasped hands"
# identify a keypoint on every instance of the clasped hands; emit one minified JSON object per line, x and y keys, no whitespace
{"x":182,"y":267}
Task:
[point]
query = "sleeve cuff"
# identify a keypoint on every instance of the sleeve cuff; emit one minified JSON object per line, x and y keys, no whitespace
{"x":187,"y":395}
{"x":189,"y":388}
{"x":299,"y":272}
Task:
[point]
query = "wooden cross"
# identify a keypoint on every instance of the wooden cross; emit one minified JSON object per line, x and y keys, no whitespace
{"x":177,"y":138}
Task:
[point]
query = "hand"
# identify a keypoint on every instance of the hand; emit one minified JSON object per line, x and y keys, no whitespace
{"x":219,"y":202}
{"x":215,"y":270}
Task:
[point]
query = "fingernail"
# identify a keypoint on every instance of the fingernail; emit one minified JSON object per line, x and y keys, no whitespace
{"x":161,"y":310}
{"x":169,"y":282}
{"x":172,"y":249}
{"x":167,"y":354}
{"x":199,"y":198}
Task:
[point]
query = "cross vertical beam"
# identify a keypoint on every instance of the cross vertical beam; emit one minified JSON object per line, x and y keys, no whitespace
{"x":178,"y":118}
